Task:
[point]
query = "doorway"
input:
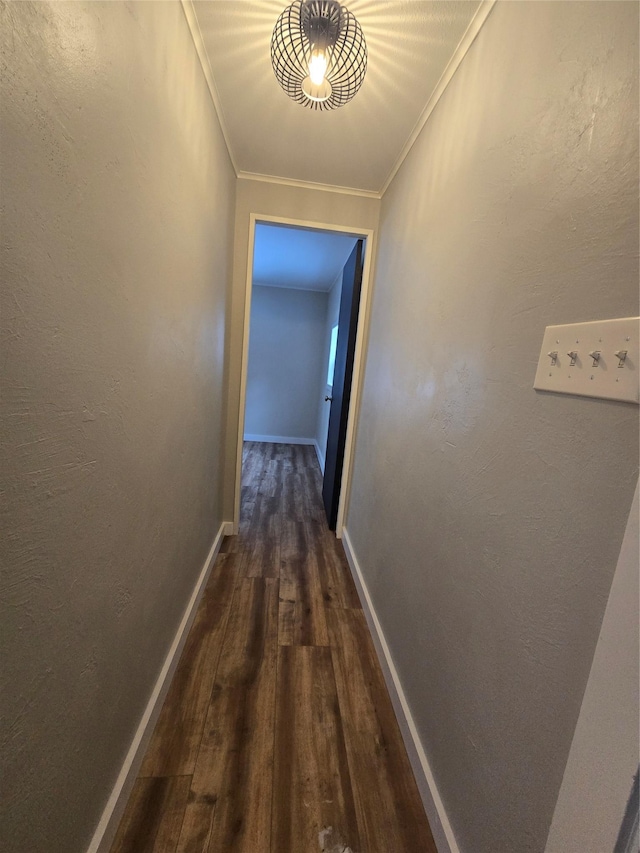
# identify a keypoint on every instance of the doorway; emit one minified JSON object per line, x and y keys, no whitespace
{"x":262,"y":416}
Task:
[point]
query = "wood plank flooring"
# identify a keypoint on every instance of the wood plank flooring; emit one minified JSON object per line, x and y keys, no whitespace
{"x":277,"y":734}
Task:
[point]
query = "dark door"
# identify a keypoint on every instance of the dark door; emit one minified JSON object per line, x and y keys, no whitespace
{"x":341,"y":393}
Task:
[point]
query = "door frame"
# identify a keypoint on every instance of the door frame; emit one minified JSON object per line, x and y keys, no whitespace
{"x":368,"y":234}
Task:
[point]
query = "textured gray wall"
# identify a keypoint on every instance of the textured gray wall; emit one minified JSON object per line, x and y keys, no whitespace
{"x":116,"y":244}
{"x":487,"y":517}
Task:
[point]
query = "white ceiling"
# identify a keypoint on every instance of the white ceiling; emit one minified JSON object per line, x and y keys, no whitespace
{"x":410,"y":45}
{"x":300,"y":258}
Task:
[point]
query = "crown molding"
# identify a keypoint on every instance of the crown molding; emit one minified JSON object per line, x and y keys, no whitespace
{"x":307,"y":185}
{"x":203,"y":56}
{"x":475,"y":25}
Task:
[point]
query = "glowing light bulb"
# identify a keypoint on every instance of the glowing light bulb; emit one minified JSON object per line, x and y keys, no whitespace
{"x":317,"y":67}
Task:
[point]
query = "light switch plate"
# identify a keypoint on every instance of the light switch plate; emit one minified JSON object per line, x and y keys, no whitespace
{"x":573,"y":369}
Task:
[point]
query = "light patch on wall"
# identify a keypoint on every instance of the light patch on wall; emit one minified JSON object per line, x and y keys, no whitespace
{"x":332,"y":355}
{"x":427,"y":389}
{"x":74,"y":42}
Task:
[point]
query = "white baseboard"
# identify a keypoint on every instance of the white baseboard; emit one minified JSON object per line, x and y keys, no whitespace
{"x":440,"y":827}
{"x":319,"y":455}
{"x":229,"y":528}
{"x":113,"y":811}
{"x":278,"y":439}
{"x":286,"y":439}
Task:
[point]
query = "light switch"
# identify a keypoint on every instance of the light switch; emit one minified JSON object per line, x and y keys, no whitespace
{"x":598,"y":359}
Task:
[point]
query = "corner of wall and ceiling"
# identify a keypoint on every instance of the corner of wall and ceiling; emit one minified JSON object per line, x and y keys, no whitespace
{"x":308,"y":185}
{"x":470,"y":34}
{"x":203,"y":56}
{"x":475,"y":25}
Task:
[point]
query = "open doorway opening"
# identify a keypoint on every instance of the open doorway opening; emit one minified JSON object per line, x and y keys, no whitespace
{"x":304,"y":320}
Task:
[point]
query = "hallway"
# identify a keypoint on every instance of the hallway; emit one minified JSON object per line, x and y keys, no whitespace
{"x":277,"y":733}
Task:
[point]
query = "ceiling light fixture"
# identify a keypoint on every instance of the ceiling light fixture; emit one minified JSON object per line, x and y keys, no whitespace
{"x":318,"y":53}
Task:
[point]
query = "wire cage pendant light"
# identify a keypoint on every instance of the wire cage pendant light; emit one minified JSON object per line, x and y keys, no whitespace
{"x":319,"y":53}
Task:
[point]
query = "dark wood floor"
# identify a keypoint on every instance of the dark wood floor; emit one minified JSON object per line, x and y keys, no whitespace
{"x":277,"y":734}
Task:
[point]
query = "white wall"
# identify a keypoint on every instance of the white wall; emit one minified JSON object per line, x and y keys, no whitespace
{"x":487,"y":518}
{"x":604,"y":752}
{"x":117,"y":196}
{"x":285,"y":357}
{"x":324,"y":407}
